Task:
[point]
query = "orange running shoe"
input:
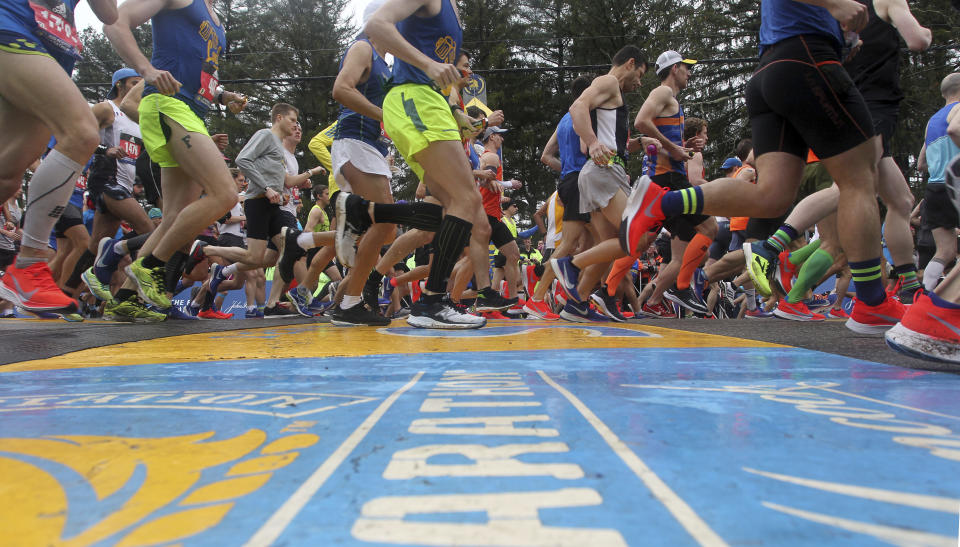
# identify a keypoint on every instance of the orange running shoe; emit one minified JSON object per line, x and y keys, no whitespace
{"x":33,"y":289}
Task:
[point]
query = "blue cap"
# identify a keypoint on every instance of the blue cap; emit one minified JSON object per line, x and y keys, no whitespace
{"x":155,"y":213}
{"x":731,"y":162}
{"x":121,"y":74}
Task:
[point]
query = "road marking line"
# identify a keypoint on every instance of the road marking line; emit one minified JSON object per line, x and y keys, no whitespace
{"x":281,"y":518}
{"x":889,"y":534}
{"x":879,"y":401}
{"x":687,"y":518}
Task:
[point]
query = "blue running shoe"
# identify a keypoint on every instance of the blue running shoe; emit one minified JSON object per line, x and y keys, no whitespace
{"x":216,"y":278}
{"x":568,"y":275}
{"x":318,"y":307}
{"x":176,"y":314}
{"x":251,"y":314}
{"x":596,"y":317}
{"x":107,"y":260}
{"x":576,"y":312}
{"x":300,"y":303}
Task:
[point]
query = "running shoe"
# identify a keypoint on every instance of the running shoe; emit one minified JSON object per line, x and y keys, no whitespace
{"x":98,"y":288}
{"x":371,"y":293}
{"x":641,"y":214}
{"x":929,"y":330}
{"x":568,"y":275}
{"x":213,"y":314}
{"x":438,"y":315}
{"x":686,"y":298}
{"x":539,"y":310}
{"x":251,"y":314}
{"x":317,"y":307}
{"x":195,"y":255}
{"x":530,"y":279}
{"x":33,"y":289}
{"x":131,"y":310}
{"x":490,"y":300}
{"x":761,"y":265}
{"x":358,"y":316}
{"x":576,"y":312}
{"x":875,"y":319}
{"x":177,"y":313}
{"x":72,"y":317}
{"x":796,"y":312}
{"x":837,"y":313}
{"x":785,"y":272}
{"x":278,"y":311}
{"x":149,"y":283}
{"x":607,"y":305}
{"x":350,"y":226}
{"x":907,"y":296}
{"x":660,"y":311}
{"x":106,"y":261}
{"x":300,"y":300}
{"x":493,"y":315}
{"x":822,"y":300}
{"x":290,"y":252}
{"x":758,"y":313}
{"x":216,"y":278}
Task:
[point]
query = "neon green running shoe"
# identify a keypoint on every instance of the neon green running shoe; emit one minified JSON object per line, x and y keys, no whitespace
{"x":72,"y":317}
{"x":131,"y":311}
{"x":761,"y":265}
{"x":100,"y":290}
{"x":150,"y":283}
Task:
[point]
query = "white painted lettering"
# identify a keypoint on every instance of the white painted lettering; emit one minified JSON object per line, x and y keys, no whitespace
{"x":434,"y":404}
{"x":482,"y":425}
{"x":488,"y":461}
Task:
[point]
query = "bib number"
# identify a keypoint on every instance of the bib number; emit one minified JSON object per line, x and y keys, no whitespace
{"x":81,"y":182}
{"x":130,"y":145}
{"x":55,"y":23}
{"x":208,"y":86}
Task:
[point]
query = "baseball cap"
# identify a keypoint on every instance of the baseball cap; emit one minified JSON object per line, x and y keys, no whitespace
{"x":121,"y":74}
{"x":731,"y":162}
{"x":491,"y":130}
{"x":669,"y":58}
{"x":371,"y":7}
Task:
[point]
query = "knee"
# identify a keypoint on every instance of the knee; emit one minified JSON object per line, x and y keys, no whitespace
{"x":481,"y":230}
{"x":511,"y":253}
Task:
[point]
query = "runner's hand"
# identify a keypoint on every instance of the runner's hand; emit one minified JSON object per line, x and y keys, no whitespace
{"x":679,"y":153}
{"x":162,"y":80}
{"x":599,"y":153}
{"x":273,"y":196}
{"x":696,"y":143}
{"x":221,"y":140}
{"x":853,"y":15}
{"x":421,"y":191}
{"x":495,"y":119}
{"x":469,"y":127}
{"x":115,"y":152}
{"x":235,"y":101}
{"x":445,"y":75}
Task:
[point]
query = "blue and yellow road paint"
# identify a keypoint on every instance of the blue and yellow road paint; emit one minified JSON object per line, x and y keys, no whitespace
{"x":515,"y":434}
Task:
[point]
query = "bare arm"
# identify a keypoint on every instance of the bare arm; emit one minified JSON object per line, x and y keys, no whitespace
{"x":132,"y":14}
{"x":922,"y":159}
{"x":382,"y":28}
{"x":103,"y":112}
{"x":130,"y":105}
{"x":600,"y":91}
{"x":897,"y":13}
{"x":538,"y":217}
{"x":953,"y":129}
{"x":356,"y":65}
{"x":105,"y":10}
{"x":658,"y":100}
{"x":551,"y":153}
{"x":695,"y":170}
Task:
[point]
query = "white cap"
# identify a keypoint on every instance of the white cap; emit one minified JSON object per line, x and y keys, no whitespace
{"x":371,"y":7}
{"x":669,"y":58}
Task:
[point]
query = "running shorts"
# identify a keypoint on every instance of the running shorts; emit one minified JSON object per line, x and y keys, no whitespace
{"x":885,"y":115}
{"x":500,"y":235}
{"x":14,"y":40}
{"x":722,"y":242}
{"x":156,"y":131}
{"x":71,"y":216}
{"x":801,"y":97}
{"x":683,"y":227}
{"x":938,"y":209}
{"x":362,"y":156}
{"x":114,"y":190}
{"x":414,"y":115}
{"x":569,"y":192}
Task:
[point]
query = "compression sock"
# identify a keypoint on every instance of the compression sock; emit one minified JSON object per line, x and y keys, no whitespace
{"x":801,"y":255}
{"x":50,"y":189}
{"x":420,"y":214}
{"x":688,"y":201}
{"x":692,"y":257}
{"x":810,"y":274}
{"x":868,"y":281}
{"x":908,"y":276}
{"x":782,"y":238}
{"x":84,"y":262}
{"x":448,"y":243}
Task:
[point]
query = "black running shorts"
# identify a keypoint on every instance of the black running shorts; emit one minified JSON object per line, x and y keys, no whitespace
{"x":500,"y":235}
{"x":72,"y":216}
{"x":885,"y":117}
{"x":569,"y":192}
{"x":264,"y":219}
{"x":801,"y":96}
{"x":938,"y":209}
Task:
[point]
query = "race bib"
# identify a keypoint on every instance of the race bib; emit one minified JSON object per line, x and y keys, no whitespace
{"x":208,"y":83}
{"x":130,"y":145}
{"x":56,"y":26}
{"x":81,"y":183}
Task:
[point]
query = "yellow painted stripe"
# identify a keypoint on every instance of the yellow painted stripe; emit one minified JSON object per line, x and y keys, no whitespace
{"x":324,"y":340}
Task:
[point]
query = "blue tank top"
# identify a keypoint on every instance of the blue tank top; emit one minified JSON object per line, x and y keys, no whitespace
{"x":473,"y":157}
{"x":672,"y":128}
{"x":51,"y":21}
{"x":352,"y":125}
{"x":187,"y":43}
{"x":940,"y":148}
{"x":438,"y":37}
{"x":782,"y":19}
{"x":571,"y":158}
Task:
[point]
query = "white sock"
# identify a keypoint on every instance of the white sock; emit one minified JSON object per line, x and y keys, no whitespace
{"x":251,"y":308}
{"x":50,"y":190}
{"x":305,"y":241}
{"x":931,"y":274}
{"x":751,"y":299}
{"x":119,"y":247}
{"x":349,"y":301}
{"x":229,"y":270}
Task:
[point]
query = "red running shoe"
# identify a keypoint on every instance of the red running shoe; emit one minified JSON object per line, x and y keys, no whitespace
{"x":928,"y":330}
{"x":660,"y":311}
{"x":837,"y":313}
{"x":213,"y":314}
{"x":539,"y":310}
{"x":796,"y":312}
{"x":493,"y":315}
{"x":875,"y":319}
{"x":641,"y":213}
{"x":34,"y":289}
{"x":785,"y":272}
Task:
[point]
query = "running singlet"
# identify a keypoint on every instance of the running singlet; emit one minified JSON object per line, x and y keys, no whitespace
{"x":124,"y":134}
{"x":49,"y":20}
{"x":571,"y":158}
{"x":672,"y":128}
{"x":940,"y":149}
{"x":490,"y":195}
{"x":554,"y":222}
{"x":438,"y":37}
{"x":610,"y":126}
{"x":352,"y":125}
{"x":187,"y":43}
{"x":876,"y":68}
{"x":324,"y":225}
{"x":782,"y":19}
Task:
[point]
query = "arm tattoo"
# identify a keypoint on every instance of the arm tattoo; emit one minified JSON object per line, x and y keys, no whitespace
{"x":186,"y":141}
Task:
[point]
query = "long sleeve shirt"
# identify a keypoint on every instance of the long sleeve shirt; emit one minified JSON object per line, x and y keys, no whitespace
{"x":262,"y":162}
